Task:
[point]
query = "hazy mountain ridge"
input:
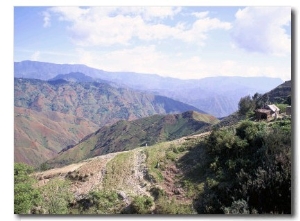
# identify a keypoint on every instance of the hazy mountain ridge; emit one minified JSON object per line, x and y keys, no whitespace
{"x":223,"y":92}
{"x":97,"y":102}
{"x":73,"y":77}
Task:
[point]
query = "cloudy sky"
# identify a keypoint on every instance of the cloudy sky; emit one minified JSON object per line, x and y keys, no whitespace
{"x":180,"y":42}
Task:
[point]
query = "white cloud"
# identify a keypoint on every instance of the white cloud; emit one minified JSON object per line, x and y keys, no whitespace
{"x":35,"y":56}
{"x":148,"y":38}
{"x":138,"y":59}
{"x":200,"y":28}
{"x":261,"y":29}
{"x":70,"y":13}
{"x":106,"y":26}
{"x":85,"y":57}
{"x":147,"y":59}
{"x":148,"y":13}
{"x":200,"y":14}
{"x":46,"y":17}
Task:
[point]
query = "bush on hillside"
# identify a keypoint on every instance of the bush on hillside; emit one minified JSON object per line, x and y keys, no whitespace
{"x":248,"y":169}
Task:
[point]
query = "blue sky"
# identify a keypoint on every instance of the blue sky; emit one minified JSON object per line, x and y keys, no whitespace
{"x":181,"y":42}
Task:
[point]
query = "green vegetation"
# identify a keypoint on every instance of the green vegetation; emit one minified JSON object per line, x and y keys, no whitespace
{"x":98,"y":202}
{"x":282,"y":107}
{"x":246,"y":105}
{"x":248,"y":169}
{"x":106,"y":202}
{"x":281,"y":94}
{"x":171,"y":206}
{"x":26,"y":196}
{"x":56,"y":196}
{"x":166,"y":205}
{"x":127,"y":135}
{"x":141,"y":205}
{"x":117,"y":169}
{"x":155,"y":161}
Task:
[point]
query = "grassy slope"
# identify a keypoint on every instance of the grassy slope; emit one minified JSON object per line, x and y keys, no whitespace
{"x":126,"y":135}
{"x":280,"y":93}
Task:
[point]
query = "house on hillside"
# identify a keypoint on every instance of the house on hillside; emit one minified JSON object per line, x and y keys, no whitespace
{"x":263,"y":114}
{"x":267,"y":112}
{"x":274,"y":110}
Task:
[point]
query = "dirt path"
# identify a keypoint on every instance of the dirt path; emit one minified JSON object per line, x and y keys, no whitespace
{"x":89,"y":174}
{"x":183,"y":139}
{"x":140,"y":171}
{"x":92,"y":170}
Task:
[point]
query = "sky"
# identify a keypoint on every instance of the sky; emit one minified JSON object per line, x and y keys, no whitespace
{"x":189,"y":42}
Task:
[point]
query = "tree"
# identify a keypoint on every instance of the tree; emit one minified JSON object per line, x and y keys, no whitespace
{"x":25,"y":195}
{"x":246,"y":105}
{"x":258,"y":100}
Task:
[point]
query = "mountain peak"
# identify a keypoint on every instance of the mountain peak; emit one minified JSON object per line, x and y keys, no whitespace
{"x":73,"y":77}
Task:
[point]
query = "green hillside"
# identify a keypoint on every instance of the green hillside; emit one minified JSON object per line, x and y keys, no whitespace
{"x":126,"y":135}
{"x":281,"y":94}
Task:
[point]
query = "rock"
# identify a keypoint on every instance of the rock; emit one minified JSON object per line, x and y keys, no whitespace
{"x":122,"y":195}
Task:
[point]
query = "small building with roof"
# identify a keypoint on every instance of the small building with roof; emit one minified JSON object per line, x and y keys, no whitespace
{"x":268,"y":112}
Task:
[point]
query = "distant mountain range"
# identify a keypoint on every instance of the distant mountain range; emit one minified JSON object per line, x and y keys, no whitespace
{"x":127,"y":135}
{"x":218,"y":96}
{"x":98,"y":102}
{"x":51,"y":115}
{"x":73,"y":101}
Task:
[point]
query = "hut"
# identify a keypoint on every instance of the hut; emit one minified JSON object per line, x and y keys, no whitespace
{"x":263,"y":114}
{"x":268,"y":112}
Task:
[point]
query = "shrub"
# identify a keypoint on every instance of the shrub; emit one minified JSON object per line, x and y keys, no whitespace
{"x":237,"y":207}
{"x":142,"y":205}
{"x":166,"y":206}
{"x":57,"y":196}
{"x":105,"y":202}
{"x":25,"y":195}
